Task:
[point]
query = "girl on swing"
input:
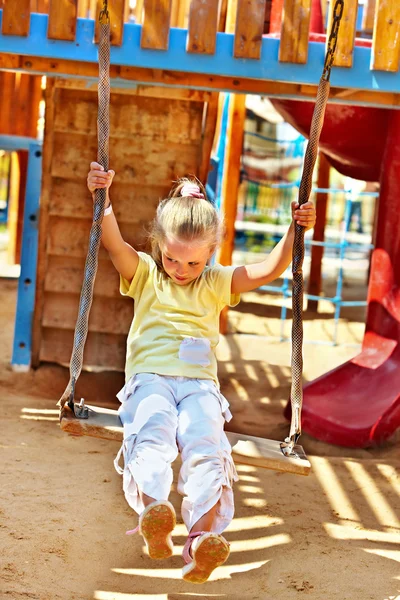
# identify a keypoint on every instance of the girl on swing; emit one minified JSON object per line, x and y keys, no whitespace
{"x":171,"y":400}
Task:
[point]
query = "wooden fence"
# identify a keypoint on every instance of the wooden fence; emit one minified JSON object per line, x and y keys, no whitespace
{"x":204,"y":18}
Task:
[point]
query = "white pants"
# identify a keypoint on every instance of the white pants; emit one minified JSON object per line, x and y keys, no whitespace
{"x":164,"y":415}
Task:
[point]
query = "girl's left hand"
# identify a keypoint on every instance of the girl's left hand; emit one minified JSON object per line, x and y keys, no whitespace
{"x":305,"y":215}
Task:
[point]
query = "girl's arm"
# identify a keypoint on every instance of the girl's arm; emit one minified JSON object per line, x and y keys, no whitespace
{"x":125,"y":258}
{"x":250,"y":277}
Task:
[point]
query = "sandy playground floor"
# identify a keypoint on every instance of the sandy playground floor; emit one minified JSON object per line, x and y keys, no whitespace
{"x":331,"y":536}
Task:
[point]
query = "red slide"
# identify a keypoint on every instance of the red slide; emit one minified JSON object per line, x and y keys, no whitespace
{"x":358,"y":403}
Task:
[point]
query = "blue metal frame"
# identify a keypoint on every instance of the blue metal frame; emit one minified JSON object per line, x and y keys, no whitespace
{"x":22,"y":346}
{"x":359,"y":76}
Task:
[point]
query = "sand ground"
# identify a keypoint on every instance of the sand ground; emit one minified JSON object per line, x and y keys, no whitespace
{"x":333,"y":535}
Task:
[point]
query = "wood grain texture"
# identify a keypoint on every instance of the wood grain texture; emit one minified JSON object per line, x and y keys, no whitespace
{"x":154,"y":140}
{"x":62,"y":20}
{"x":347,"y":33}
{"x":101,"y":349}
{"x":293,"y":47}
{"x":118,"y":11}
{"x":368,"y":16}
{"x":156,"y":24}
{"x":203,"y":25}
{"x":16,"y":17}
{"x":386,"y":37}
{"x":103,"y":312}
{"x":249,"y":28}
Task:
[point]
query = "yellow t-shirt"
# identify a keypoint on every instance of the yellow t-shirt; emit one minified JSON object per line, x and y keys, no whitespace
{"x":175,"y":329}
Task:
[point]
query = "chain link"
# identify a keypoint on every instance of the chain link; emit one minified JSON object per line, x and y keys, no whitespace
{"x":104,"y":15}
{"x":333,"y":37}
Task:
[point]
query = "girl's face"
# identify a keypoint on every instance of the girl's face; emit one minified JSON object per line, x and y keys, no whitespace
{"x":184,"y":261}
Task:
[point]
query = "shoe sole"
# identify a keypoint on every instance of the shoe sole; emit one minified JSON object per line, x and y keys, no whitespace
{"x":156,"y":525}
{"x":211,"y":552}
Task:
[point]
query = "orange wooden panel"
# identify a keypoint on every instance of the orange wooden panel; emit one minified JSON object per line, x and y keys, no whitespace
{"x":347,"y":33}
{"x":386,"y":39}
{"x":16,"y":17}
{"x":203,"y":23}
{"x":40,"y":6}
{"x":295,"y":28}
{"x":8,"y":99}
{"x":155,"y":31}
{"x":368,"y":15}
{"x":62,"y":20}
{"x":83,"y":9}
{"x":249,"y":28}
{"x":117,"y":10}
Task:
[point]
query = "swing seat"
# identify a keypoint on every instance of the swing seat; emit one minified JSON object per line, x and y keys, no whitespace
{"x":259,"y":452}
{"x":357,"y":404}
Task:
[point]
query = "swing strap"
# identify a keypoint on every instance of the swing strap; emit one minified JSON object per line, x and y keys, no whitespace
{"x":85,"y":302}
{"x":296,"y":392}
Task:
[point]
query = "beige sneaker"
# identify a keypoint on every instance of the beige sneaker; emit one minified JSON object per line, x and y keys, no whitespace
{"x":156,"y":523}
{"x":204,"y":551}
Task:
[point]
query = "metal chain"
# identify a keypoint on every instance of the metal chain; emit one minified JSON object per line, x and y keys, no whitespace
{"x":296,"y":392}
{"x":333,"y":37}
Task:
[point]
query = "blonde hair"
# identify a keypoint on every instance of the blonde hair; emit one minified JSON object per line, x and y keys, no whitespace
{"x":185,"y":218}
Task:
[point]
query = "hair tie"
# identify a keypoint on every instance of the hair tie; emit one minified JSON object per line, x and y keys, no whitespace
{"x":191,"y":190}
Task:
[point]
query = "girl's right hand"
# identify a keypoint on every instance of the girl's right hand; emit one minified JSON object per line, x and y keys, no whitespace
{"x":98,"y":178}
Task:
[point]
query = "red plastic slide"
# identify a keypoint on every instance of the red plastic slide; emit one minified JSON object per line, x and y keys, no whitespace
{"x":358,"y":404}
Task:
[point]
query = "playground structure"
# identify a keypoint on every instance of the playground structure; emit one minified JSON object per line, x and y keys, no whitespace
{"x":218,"y":47}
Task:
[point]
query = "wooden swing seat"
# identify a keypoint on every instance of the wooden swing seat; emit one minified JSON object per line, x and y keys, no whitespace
{"x":259,"y":452}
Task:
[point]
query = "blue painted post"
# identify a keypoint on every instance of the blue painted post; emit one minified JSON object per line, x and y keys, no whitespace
{"x":22,"y":347}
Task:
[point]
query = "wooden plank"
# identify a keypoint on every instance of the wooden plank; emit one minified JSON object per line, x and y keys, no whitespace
{"x":223,"y":8}
{"x":8,"y":99}
{"x":368,"y":16}
{"x":139,"y":90}
{"x":40,"y":6}
{"x":139,"y":13}
{"x":83,"y":9}
{"x":246,"y":449}
{"x":293,"y":47}
{"x":231,"y":12}
{"x":62,"y":20}
{"x":16,"y":17}
{"x":70,"y":237}
{"x":347,"y":33}
{"x":50,"y":99}
{"x":230,"y":184}
{"x":203,"y":24}
{"x":211,"y":117}
{"x":73,"y":153}
{"x":386,"y":37}
{"x":249,"y":28}
{"x":29,"y":64}
{"x":101,"y":349}
{"x":153,"y":121}
{"x":117,"y":11}
{"x":131,"y":203}
{"x":66,"y":276}
{"x":61,"y":310}
{"x":183,"y":13}
{"x":231,"y":174}
{"x":156,"y":22}
{"x":175,"y":13}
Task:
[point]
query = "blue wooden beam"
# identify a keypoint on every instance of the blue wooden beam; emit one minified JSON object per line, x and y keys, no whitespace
{"x":22,"y":346}
{"x":221,"y":63}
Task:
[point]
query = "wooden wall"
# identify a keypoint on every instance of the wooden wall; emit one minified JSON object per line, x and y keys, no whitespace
{"x":155,"y":138}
